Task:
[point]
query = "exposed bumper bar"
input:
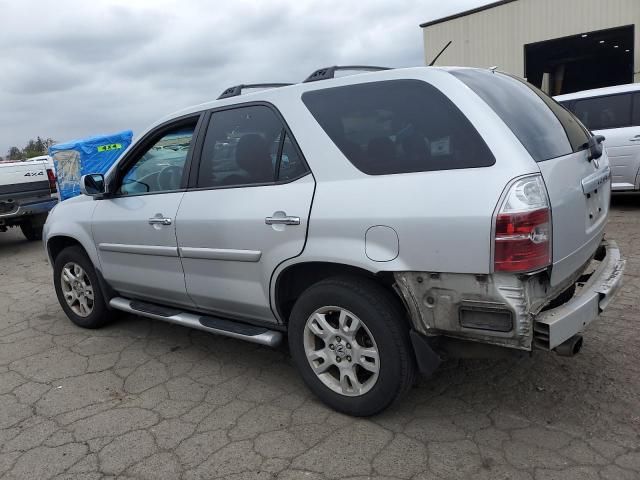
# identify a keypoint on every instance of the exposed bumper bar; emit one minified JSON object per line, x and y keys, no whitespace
{"x":552,"y":327}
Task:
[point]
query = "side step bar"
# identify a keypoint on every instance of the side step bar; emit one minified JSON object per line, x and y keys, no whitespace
{"x":220,"y":326}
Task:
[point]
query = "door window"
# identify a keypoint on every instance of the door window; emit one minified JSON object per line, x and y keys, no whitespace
{"x":601,"y":113}
{"x":247,"y":146}
{"x":398,"y":126}
{"x":636,"y":109}
{"x":160,"y":168}
{"x":291,"y":164}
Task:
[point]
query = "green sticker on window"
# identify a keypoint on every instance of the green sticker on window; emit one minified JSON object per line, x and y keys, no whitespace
{"x":113,"y":146}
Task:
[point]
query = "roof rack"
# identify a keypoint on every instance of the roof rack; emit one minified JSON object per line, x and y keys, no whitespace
{"x":328,"y":72}
{"x":237,"y":89}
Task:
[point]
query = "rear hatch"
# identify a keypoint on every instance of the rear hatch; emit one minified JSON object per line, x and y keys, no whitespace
{"x":579,"y":187}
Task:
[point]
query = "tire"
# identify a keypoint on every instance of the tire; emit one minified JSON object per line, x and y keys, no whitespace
{"x":31,"y":230}
{"x":98,"y":314}
{"x":385,"y":330}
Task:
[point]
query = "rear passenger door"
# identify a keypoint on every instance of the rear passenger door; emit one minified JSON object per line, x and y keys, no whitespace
{"x":617,"y":117}
{"x":245,"y":213}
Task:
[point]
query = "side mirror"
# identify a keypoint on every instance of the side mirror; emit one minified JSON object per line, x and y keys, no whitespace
{"x":92,"y":185}
{"x":595,"y":146}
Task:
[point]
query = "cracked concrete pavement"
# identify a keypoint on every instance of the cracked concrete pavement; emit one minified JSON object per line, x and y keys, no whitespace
{"x":144,"y":399}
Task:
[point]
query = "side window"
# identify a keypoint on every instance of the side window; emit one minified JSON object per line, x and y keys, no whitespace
{"x":544,"y":128}
{"x":243,"y":146}
{"x":291,"y":165}
{"x":398,"y":126}
{"x":600,"y":113}
{"x":636,"y":109}
{"x":160,"y":168}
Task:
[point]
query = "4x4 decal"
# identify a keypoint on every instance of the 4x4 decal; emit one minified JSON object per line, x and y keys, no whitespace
{"x":34,"y":174}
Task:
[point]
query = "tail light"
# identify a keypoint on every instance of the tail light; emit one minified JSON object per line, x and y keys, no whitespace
{"x":523,"y":228}
{"x":52,"y":180}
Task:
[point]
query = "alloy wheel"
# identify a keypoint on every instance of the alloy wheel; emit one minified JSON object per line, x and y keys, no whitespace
{"x":77,"y":289}
{"x":341,"y":351}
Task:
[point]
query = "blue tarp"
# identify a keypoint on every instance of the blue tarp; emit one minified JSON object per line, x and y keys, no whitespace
{"x":88,"y":155}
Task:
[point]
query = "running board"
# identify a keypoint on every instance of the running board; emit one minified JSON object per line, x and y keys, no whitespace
{"x":220,"y":326}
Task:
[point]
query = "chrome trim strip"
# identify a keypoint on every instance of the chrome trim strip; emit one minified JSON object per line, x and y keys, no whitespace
{"x":224,"y":254}
{"x":139,"y":249}
{"x":596,"y":179}
{"x":270,"y":338}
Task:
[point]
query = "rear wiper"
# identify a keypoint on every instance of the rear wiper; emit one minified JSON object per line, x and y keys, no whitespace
{"x":595,"y":146}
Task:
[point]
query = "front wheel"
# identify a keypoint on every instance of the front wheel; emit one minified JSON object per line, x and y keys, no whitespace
{"x":77,"y":288}
{"x":349,"y":339}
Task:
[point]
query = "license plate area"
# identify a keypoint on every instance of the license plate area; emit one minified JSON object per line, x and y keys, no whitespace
{"x":597,"y":196}
{"x":596,"y":207}
{"x":7,"y":207}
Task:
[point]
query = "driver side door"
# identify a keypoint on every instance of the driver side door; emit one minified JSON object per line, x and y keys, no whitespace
{"x":134,"y":228}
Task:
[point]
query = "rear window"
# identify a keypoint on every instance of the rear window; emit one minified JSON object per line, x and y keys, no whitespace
{"x":545,"y":128}
{"x":601,"y":113}
{"x":398,"y":126}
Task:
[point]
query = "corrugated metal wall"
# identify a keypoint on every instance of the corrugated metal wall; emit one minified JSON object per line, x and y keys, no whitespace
{"x":497,"y":36}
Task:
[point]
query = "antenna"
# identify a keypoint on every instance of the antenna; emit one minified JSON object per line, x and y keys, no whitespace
{"x":441,"y":52}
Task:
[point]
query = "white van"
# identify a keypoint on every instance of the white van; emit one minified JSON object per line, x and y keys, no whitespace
{"x":615,"y":113}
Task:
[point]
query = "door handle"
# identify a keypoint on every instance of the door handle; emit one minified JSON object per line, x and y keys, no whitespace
{"x":160,"y":221}
{"x":282,"y":220}
{"x":635,"y":139}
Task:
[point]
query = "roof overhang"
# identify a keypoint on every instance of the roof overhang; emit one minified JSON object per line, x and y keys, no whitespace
{"x":465,"y":13}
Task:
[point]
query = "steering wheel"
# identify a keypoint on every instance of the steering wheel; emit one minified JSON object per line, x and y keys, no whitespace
{"x":169,"y":178}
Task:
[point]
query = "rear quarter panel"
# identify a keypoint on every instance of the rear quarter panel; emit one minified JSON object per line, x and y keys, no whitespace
{"x":443,"y":219}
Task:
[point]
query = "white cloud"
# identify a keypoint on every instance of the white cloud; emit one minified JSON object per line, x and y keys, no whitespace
{"x":72,"y":68}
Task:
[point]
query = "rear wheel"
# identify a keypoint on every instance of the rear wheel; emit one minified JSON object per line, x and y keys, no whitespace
{"x":348,"y":338}
{"x":32,"y":228}
{"x":76,"y":285}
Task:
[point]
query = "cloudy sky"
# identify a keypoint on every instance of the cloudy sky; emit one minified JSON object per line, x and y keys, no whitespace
{"x":72,"y":68}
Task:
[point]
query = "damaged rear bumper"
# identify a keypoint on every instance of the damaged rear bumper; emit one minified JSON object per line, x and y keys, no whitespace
{"x":552,"y":327}
{"x":507,"y":310}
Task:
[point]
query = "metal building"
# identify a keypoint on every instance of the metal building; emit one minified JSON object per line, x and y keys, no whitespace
{"x":561,"y":46}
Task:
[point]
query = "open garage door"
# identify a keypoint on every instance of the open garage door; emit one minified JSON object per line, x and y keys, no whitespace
{"x":581,"y":62}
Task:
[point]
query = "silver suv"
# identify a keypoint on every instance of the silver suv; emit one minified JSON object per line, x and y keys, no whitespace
{"x":382,"y":221}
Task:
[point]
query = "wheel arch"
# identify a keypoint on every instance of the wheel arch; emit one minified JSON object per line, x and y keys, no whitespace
{"x":296,"y":278}
{"x":57,"y":243}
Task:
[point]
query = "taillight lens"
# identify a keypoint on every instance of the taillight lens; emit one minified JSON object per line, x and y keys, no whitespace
{"x":523,"y":228}
{"x":52,"y":181}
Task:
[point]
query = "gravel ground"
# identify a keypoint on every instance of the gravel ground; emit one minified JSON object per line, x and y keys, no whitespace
{"x":144,"y":399}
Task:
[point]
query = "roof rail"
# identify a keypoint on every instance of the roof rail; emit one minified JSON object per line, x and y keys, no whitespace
{"x":237,"y":89}
{"x":328,"y":72}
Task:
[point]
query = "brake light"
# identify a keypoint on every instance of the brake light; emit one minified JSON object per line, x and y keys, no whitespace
{"x":523,"y":228}
{"x":52,"y":180}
